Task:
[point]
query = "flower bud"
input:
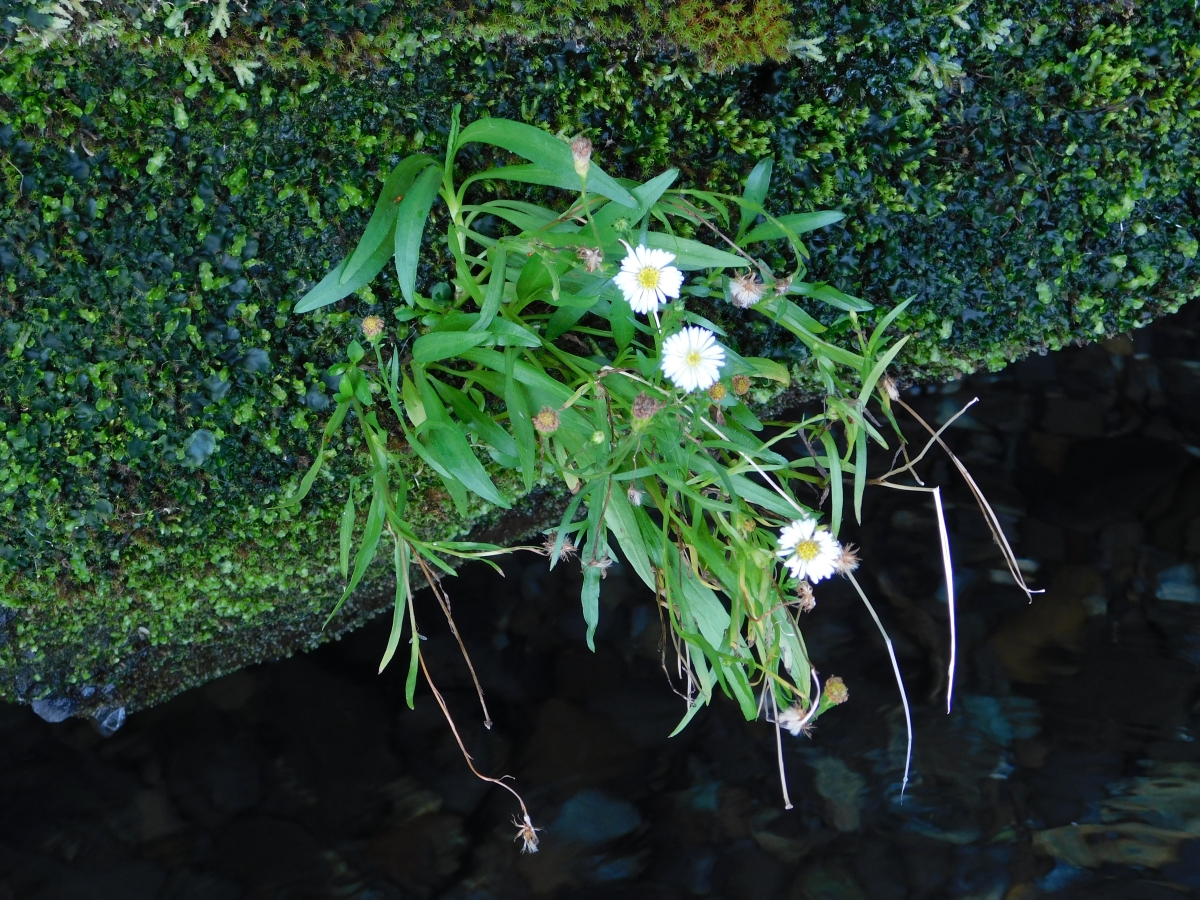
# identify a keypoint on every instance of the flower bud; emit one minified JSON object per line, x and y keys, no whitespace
{"x":372,"y":328}
{"x":836,"y":691}
{"x":741,"y":385}
{"x":581,"y":149}
{"x":546,"y":421}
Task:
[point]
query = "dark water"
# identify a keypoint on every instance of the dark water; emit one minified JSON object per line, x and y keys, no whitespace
{"x":1069,"y":767}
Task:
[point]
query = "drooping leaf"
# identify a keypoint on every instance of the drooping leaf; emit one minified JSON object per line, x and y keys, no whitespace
{"x":383,"y":219}
{"x":543,"y":150}
{"x":410,"y":225}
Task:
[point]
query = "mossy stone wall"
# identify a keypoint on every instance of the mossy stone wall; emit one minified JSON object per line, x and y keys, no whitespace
{"x":1026,"y":171}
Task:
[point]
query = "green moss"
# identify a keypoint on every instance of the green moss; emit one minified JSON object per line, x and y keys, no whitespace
{"x":1027,"y":174}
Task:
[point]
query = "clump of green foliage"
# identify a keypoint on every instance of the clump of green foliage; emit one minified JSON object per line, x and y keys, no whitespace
{"x":1026,"y":176}
{"x":563,"y":365}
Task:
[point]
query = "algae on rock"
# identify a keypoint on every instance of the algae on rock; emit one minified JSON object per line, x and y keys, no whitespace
{"x":1026,"y":172}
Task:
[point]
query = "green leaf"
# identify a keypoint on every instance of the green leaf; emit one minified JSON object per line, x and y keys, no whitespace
{"x":877,"y":334}
{"x":768,"y":368}
{"x":860,"y":472}
{"x":306,"y":483}
{"x":346,"y":532}
{"x":366,"y":550}
{"x":797,"y":222}
{"x":383,"y":219}
{"x":520,"y":422}
{"x":827,"y":293}
{"x":447,"y":444}
{"x":412,"y":403}
{"x":400,"y":561}
{"x":691,"y":255}
{"x":589,"y":597}
{"x":878,"y":369}
{"x":410,"y":226}
{"x":620,"y":317}
{"x":544,"y":150}
{"x":752,"y":492}
{"x":712,"y":618}
{"x":498,"y":257}
{"x":446,"y":344}
{"x":482,"y":424}
{"x":646,"y":196}
{"x":755,"y":192}
{"x":790,"y":316}
{"x":622,"y":522}
{"x":331,"y":288}
{"x":833,"y":462}
{"x":510,"y":334}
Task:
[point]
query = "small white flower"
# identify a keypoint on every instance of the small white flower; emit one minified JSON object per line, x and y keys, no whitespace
{"x":647,"y":279}
{"x":692,"y":359}
{"x":810,"y":553}
{"x":746,"y":290}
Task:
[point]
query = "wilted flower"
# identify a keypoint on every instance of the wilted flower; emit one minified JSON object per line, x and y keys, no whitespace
{"x":546,"y":421}
{"x":782,"y":286}
{"x":810,"y":553}
{"x":836,"y":691}
{"x":593,"y":258}
{"x":645,"y":406}
{"x":581,"y":149}
{"x":692,"y":359}
{"x":741,"y":385}
{"x":746,"y":290}
{"x":890,"y":387}
{"x":635,"y":496}
{"x":647,"y":278}
{"x":717,"y":392}
{"x":804,"y":596}
{"x":527,"y":834}
{"x":372,"y":327}
{"x":794,"y":720}
{"x":847,"y":560}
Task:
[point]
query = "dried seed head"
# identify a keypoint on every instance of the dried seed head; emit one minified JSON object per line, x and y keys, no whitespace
{"x":890,"y":387}
{"x":568,"y":548}
{"x":794,"y":720}
{"x":746,"y":290}
{"x":741,"y":385}
{"x":782,"y":286}
{"x":717,"y":392}
{"x":546,"y":421}
{"x":836,"y":691}
{"x":645,"y":406}
{"x":593,"y":258}
{"x":804,"y":594}
{"x":847,"y":560}
{"x":527,"y":834}
{"x":581,"y":149}
{"x":372,"y":327}
{"x":635,"y":496}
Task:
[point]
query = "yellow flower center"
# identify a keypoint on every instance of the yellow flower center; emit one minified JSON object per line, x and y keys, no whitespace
{"x":693,"y":358}
{"x":808,"y":550}
{"x":648,"y":278}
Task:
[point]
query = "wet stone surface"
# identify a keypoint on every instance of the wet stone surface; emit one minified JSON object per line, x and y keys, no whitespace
{"x":1069,"y":767}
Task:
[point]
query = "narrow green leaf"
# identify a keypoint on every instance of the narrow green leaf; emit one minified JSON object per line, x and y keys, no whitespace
{"x":590,"y":599}
{"x":887,"y":320}
{"x":446,"y":443}
{"x":860,"y":472}
{"x":520,"y":422}
{"x":622,"y":522}
{"x":478,"y":421}
{"x":346,"y":532}
{"x":620,"y":317}
{"x":544,"y":150}
{"x":691,"y":255}
{"x":412,"y":403}
{"x":646,"y":196}
{"x":332,"y":289}
{"x":383,"y":219}
{"x":830,"y":295}
{"x":400,"y":560}
{"x":410,"y":226}
{"x":498,"y":257}
{"x":879,"y":368}
{"x":306,"y":483}
{"x":797,"y":222}
{"x":366,"y":550}
{"x":446,"y":344}
{"x":833,"y":463}
{"x":510,"y":334}
{"x":755,"y":192}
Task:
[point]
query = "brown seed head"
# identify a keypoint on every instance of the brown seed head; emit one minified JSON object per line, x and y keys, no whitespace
{"x":746,"y":290}
{"x":804,"y":595}
{"x":645,"y":406}
{"x":741,"y":385}
{"x":526,"y":834}
{"x":593,"y":258}
{"x":836,"y":691}
{"x":546,"y":421}
{"x":890,"y":387}
{"x":847,"y":560}
{"x":581,"y":149}
{"x":635,"y":496}
{"x":372,"y":327}
{"x":717,"y":392}
{"x":782,"y":286}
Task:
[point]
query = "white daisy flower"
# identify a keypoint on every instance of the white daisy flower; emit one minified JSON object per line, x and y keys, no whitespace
{"x":647,"y":279}
{"x":810,"y":553}
{"x":692,"y":359}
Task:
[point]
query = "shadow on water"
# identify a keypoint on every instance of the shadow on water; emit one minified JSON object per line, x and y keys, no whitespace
{"x":1069,"y":768}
